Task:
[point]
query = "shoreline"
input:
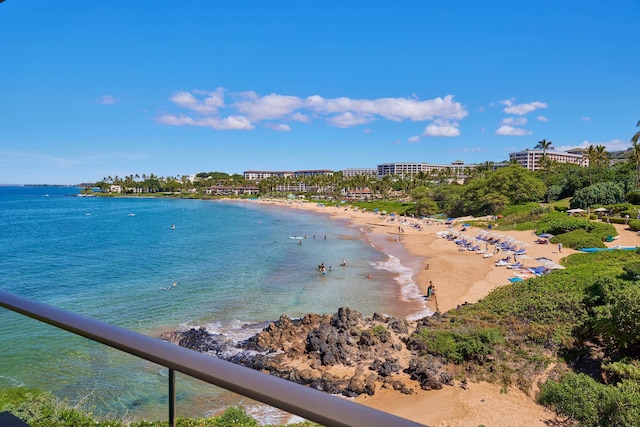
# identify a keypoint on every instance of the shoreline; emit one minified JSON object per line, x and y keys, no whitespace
{"x":460,"y":277}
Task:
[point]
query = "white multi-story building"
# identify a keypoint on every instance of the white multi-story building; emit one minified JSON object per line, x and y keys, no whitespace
{"x":298,"y":174}
{"x":532,"y":159}
{"x":258,"y":175}
{"x":359,"y":171}
{"x":456,"y":169}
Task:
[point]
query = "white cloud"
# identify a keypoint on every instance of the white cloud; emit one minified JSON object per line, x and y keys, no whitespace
{"x":107,"y":100}
{"x":227,"y":123}
{"x":280,"y":127}
{"x":585,"y":119}
{"x":467,"y":150}
{"x":543,"y":119}
{"x":267,"y":107}
{"x":299,"y":117}
{"x":441,"y":128}
{"x":521,"y":109}
{"x":339,"y":112}
{"x":514,"y":121}
{"x":169,"y":119}
{"x":511,"y":131}
{"x":348,"y":119}
{"x":613,"y":145}
{"x":415,"y":138}
{"x":395,"y":109}
{"x":209,"y":104}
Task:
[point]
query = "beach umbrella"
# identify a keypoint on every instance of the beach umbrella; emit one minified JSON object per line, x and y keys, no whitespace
{"x":600,"y":210}
{"x":546,"y":235}
{"x":576,"y":210}
{"x":547,"y":263}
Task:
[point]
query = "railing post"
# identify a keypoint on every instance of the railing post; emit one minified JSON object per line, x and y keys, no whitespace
{"x":172,"y":398}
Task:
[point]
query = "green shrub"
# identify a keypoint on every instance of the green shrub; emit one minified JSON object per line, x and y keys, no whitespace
{"x":592,"y":404}
{"x":616,"y":372}
{"x":458,"y":346}
{"x":235,"y":416}
{"x":633,"y":270}
{"x":579,"y":239}
{"x":634,"y":224}
{"x":618,"y":208}
{"x":633,"y":196}
{"x":576,"y":396}
{"x":617,"y":220}
{"x":555,"y":225}
{"x":380,"y":332}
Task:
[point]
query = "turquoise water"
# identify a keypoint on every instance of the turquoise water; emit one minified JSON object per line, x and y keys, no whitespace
{"x":233,"y":263}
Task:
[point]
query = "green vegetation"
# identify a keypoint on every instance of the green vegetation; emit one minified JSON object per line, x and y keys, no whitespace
{"x":584,"y":320}
{"x":380,"y":332}
{"x":40,"y":409}
{"x":457,"y":345}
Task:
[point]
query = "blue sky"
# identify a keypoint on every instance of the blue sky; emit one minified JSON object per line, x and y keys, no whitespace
{"x":94,"y":89}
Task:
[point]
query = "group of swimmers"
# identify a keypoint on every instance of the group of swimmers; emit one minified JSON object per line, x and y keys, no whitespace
{"x":323,"y":269}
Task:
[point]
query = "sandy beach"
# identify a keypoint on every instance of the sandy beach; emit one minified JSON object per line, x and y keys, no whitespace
{"x":459,"y":277}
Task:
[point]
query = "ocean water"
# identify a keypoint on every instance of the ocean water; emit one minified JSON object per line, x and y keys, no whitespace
{"x":116,"y":259}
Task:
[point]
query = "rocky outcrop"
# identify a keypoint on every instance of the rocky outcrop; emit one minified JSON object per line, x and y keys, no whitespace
{"x":342,"y":353}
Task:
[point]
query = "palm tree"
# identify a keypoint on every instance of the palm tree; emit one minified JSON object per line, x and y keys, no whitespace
{"x":591,"y":154}
{"x":601,"y":158}
{"x":634,"y":157}
{"x":634,"y":154}
{"x":636,"y":137}
{"x":543,"y":145}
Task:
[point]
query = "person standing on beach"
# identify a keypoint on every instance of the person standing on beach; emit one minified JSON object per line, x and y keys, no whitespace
{"x":559,"y":247}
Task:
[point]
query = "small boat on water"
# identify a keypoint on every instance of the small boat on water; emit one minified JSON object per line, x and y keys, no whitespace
{"x":296,"y":237}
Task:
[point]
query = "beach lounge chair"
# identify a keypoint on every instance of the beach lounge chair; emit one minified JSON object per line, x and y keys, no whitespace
{"x":515,"y":266}
{"x":539,"y":271}
{"x":487,"y":255}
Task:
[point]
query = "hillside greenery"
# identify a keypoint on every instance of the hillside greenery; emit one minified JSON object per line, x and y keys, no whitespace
{"x":578,"y":327}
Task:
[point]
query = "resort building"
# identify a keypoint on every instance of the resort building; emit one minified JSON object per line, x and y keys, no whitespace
{"x":532,"y":159}
{"x":359,"y":171}
{"x":227,"y":190}
{"x":299,"y":187}
{"x":456,"y":169}
{"x":258,"y":175}
{"x":302,"y":174}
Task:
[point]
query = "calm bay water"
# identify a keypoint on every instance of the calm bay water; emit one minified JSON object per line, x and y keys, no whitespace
{"x":112,"y":258}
